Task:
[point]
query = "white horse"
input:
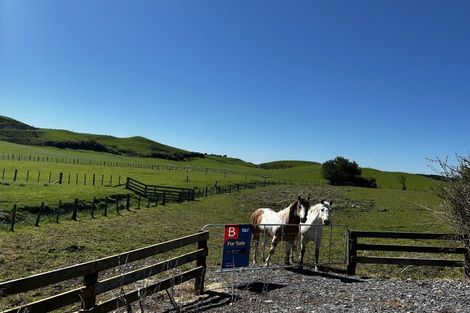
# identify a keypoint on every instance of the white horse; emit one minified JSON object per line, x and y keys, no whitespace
{"x":312,"y":229}
{"x":295,"y":213}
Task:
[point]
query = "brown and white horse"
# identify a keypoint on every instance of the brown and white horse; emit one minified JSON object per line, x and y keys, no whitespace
{"x":261,"y":219}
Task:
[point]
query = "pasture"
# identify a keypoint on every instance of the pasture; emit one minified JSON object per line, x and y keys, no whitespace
{"x":37,"y":249}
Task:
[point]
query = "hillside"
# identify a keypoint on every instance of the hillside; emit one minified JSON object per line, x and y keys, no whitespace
{"x":9,"y":123}
{"x":17,"y":132}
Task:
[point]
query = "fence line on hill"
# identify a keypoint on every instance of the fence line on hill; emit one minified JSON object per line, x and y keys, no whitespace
{"x":156,"y":195}
{"x":70,"y":178}
{"x":79,"y":161}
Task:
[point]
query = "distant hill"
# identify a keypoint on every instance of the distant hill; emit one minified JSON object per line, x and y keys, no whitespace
{"x":17,"y":132}
{"x":286,"y":164}
{"x":9,"y":123}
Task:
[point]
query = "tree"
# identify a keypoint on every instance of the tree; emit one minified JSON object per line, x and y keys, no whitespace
{"x":402,"y":180}
{"x":454,"y":194}
{"x":340,"y":171}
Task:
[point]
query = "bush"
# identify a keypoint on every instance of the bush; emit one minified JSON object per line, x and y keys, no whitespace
{"x":341,"y":172}
{"x":455,"y":197}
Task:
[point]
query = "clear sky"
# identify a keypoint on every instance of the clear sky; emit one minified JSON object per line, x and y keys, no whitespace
{"x":384,"y":83}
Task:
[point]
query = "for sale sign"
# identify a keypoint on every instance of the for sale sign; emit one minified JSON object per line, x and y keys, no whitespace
{"x":237,"y":239}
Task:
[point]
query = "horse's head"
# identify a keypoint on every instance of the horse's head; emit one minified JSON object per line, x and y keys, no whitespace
{"x":325,"y":211}
{"x":301,"y":208}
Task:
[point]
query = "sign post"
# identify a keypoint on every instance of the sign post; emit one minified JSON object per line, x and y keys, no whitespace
{"x":237,"y":241}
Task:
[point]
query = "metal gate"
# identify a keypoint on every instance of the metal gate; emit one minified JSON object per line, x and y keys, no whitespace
{"x":333,"y":250}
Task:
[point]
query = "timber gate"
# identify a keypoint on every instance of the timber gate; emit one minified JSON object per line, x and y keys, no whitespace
{"x":445,"y":248}
{"x":160,"y":194}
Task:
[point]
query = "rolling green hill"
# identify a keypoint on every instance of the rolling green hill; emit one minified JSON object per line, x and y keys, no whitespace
{"x":20,"y":133}
{"x":96,"y":149}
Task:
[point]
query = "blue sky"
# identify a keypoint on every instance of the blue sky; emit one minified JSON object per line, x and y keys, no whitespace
{"x":384,"y":83}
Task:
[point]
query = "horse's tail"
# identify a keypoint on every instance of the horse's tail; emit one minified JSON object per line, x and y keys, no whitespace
{"x":255,"y":220}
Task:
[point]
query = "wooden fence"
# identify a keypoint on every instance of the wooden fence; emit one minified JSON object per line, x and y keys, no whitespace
{"x":93,"y":286}
{"x":38,"y":176}
{"x":353,"y":247}
{"x":160,"y":193}
{"x":163,"y":194}
{"x":63,"y":209}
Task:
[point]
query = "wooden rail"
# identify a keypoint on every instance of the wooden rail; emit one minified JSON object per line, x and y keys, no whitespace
{"x":160,"y":194}
{"x":86,"y":294}
{"x":353,"y":247}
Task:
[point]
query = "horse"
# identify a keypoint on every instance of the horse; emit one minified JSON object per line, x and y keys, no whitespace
{"x":295,"y":213}
{"x":312,"y":229}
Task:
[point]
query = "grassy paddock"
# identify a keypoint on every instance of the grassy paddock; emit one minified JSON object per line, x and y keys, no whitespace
{"x":37,"y":249}
{"x":27,"y":251}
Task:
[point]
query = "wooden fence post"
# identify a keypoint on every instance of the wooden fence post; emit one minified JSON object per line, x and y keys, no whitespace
{"x":352,"y":251}
{"x":3,"y":174}
{"x":93,"y":179}
{"x":201,"y":261}
{"x":467,"y":263}
{"x":102,"y":180}
{"x":93,"y":208}
{"x":75,"y":208}
{"x":13,"y":218}
{"x":106,"y":206}
{"x":50,"y":175}
{"x":138,"y":203}
{"x":15,"y":174}
{"x":39,"y":215}
{"x":61,"y":176}
{"x":164,"y":198}
{"x":58,"y":212}
{"x":27,"y":175}
{"x":89,"y":298}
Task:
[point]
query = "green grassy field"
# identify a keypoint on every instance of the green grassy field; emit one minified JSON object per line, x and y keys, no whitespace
{"x":385,"y":208}
{"x":26,"y":251}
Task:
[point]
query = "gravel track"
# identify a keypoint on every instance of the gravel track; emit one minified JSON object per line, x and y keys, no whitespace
{"x":295,"y":290}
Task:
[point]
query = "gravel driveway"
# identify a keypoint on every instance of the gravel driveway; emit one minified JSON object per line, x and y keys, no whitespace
{"x":295,"y":290}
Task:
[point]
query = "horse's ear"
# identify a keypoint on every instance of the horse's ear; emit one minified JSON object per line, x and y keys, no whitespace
{"x":308,"y":199}
{"x":299,"y":197}
{"x":331,"y":202}
{"x":322,"y":201}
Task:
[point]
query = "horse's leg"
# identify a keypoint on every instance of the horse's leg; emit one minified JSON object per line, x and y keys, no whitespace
{"x":289,"y":247}
{"x":271,"y":250}
{"x":263,"y":246}
{"x":255,"y":246}
{"x":318,"y":235}
{"x":303,"y":242}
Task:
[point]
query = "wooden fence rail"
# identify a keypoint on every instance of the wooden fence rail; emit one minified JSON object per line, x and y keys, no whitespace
{"x":86,"y":294}
{"x":353,"y":247}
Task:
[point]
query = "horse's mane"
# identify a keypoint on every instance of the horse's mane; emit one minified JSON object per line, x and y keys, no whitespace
{"x":287,"y":215}
{"x":314,"y":211}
